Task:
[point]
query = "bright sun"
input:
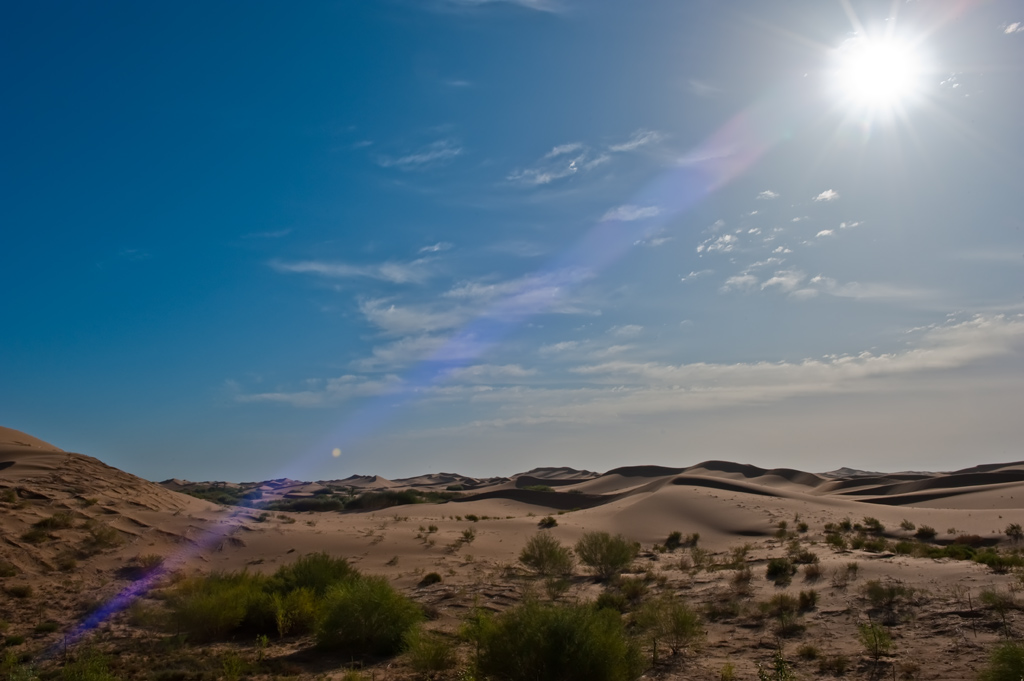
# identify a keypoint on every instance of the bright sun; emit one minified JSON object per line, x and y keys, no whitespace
{"x":877,"y":74}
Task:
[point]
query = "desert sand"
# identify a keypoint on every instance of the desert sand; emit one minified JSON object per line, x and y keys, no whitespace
{"x":945,"y":634}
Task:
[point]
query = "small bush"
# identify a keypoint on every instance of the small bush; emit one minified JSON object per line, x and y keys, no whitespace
{"x":836,"y":665}
{"x":47,"y":627}
{"x":808,"y":652}
{"x":539,"y":488}
{"x":613,"y":600}
{"x":36,"y":535}
{"x":366,"y":616}
{"x":88,"y":665}
{"x":472,"y":517}
{"x":57,"y":521}
{"x":808,"y":600}
{"x":836,"y":541}
{"x":972,"y":540}
{"x":876,"y":639}
{"x":606,"y":555}
{"x":8,"y":569}
{"x":671,"y":620}
{"x":315,"y":571}
{"x":539,"y":642}
{"x":812,"y":572}
{"x":873,"y":525}
{"x":546,"y":556}
{"x":907,"y":525}
{"x":674,"y":541}
{"x":210,"y":608}
{"x":19,"y":590}
{"x":1006,"y":663}
{"x":101,"y":537}
{"x":780,"y":570}
{"x":1014,"y":531}
{"x":429,"y":653}
{"x":633,"y":588}
{"x":430,"y":578}
{"x":547,"y":522}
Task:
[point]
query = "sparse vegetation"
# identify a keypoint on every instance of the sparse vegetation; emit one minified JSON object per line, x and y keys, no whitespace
{"x":1006,"y":663}
{"x":554,"y":642}
{"x":606,"y":555}
{"x":780,"y":571}
{"x":546,"y":556}
{"x":365,"y":616}
{"x":875,"y":638}
{"x":547,"y":522}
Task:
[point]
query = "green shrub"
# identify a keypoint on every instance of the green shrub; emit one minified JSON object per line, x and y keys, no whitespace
{"x":876,"y":639}
{"x":674,"y":541}
{"x":209,"y":608}
{"x":1006,"y":663}
{"x":19,"y":590}
{"x":8,"y":569}
{"x":472,"y":517}
{"x":808,"y":600}
{"x":88,"y":665}
{"x":315,"y":571}
{"x":836,"y":541}
{"x":613,"y":600}
{"x":366,"y":616}
{"x":554,"y":642}
{"x":779,"y":671}
{"x":780,"y":570}
{"x":633,"y":588}
{"x":1014,"y":531}
{"x":836,"y":665}
{"x":907,"y":526}
{"x":295,"y":612}
{"x":101,"y":537}
{"x":873,"y":525}
{"x":429,"y":653}
{"x":606,"y":555}
{"x":925,"y":533}
{"x":545,"y":555}
{"x":58,"y":521}
{"x":539,"y":488}
{"x":430,"y":578}
{"x":812,"y":572}
{"x":47,"y":627}
{"x":547,"y":522}
{"x":669,"y":619}
{"x":36,"y":535}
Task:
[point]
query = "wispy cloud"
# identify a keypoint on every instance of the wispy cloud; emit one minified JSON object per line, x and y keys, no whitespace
{"x":640,"y":138}
{"x":1015,"y":27}
{"x":490,"y":372}
{"x":626,"y":331}
{"x":825,"y":232}
{"x":563,"y":149}
{"x":538,"y":5}
{"x":827,"y":195}
{"x":767,"y":195}
{"x":436,"y":248}
{"x":695,"y":274}
{"x":327,"y":392}
{"x":703,"y":89}
{"x":275,"y":234}
{"x":784,"y":280}
{"x":415,"y":272}
{"x":629,"y":213}
{"x":435,"y":153}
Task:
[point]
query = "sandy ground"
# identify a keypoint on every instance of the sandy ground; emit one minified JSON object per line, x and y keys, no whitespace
{"x":943,"y":633}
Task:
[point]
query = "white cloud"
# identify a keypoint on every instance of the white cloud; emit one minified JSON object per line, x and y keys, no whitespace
{"x":563,"y":149}
{"x":555,"y":348}
{"x":785,"y":280}
{"x":626,"y":331}
{"x":827,"y":195}
{"x":1015,"y":27}
{"x":849,"y":225}
{"x":639,"y":139}
{"x":415,"y":272}
{"x":490,"y":372}
{"x":724,"y":243}
{"x":436,"y":248}
{"x":601,"y":353}
{"x":329,"y":392}
{"x":629,"y":213}
{"x":767,"y":195}
{"x":275,"y":234}
{"x":433,"y":154}
{"x":400,"y":320}
{"x":702,"y":89}
{"x":694,"y":274}
{"x":825,"y":232}
{"x":867,"y":291}
{"x":739,"y":282}
{"x":538,"y":5}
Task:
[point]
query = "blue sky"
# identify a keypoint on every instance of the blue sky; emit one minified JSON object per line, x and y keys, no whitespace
{"x":398,"y":236}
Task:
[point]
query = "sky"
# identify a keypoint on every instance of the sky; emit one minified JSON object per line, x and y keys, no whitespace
{"x":244,"y":241}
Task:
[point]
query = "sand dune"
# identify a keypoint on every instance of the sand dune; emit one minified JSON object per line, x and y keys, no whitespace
{"x":726,"y":504}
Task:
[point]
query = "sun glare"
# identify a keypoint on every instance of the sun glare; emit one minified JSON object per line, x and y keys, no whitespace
{"x":877,"y":74}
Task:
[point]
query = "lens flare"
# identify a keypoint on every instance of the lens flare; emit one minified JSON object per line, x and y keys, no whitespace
{"x":877,"y":74}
